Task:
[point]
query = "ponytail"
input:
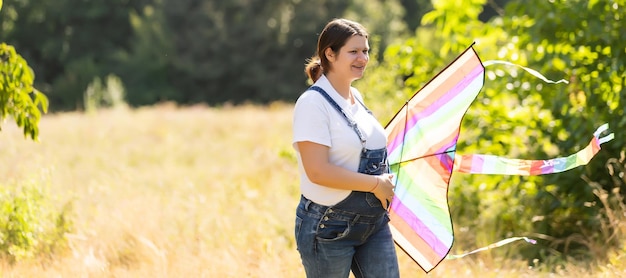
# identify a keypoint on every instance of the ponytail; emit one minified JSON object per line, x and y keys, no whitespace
{"x":313,"y":69}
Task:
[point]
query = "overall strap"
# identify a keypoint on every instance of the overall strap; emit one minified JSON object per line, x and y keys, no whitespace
{"x":351,"y":122}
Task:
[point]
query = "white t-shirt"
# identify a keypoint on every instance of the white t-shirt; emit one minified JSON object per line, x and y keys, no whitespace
{"x":316,"y":120}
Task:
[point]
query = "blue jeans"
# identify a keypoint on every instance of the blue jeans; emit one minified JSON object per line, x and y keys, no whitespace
{"x":351,"y":235}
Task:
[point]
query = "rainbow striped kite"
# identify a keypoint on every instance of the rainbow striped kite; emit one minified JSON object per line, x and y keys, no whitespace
{"x":423,"y":164}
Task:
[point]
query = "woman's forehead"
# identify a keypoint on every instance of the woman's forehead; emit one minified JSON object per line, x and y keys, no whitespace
{"x":357,"y":41}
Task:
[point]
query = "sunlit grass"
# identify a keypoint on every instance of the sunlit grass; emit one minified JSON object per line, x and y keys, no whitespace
{"x":185,"y":192}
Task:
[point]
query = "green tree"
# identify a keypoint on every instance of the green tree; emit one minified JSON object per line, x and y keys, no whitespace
{"x":146,"y":67}
{"x":69,"y":43}
{"x":384,"y":27}
{"x":589,"y":49}
{"x":18,"y":98}
{"x":236,"y":51}
{"x":413,"y":12}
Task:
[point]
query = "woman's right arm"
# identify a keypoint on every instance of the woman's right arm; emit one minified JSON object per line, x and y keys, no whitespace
{"x":320,"y":171}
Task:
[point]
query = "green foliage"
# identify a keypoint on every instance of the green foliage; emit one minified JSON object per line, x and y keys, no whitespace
{"x":414,"y":10}
{"x":455,"y":23}
{"x":383,"y":28}
{"x":237,"y":51}
{"x":69,"y":43}
{"x":145,"y":66}
{"x":588,"y":49}
{"x":29,"y":223}
{"x":18,"y":98}
{"x":185,"y":51}
{"x":518,"y":116}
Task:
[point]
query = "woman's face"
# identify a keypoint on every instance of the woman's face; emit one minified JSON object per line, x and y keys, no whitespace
{"x":352,"y":58}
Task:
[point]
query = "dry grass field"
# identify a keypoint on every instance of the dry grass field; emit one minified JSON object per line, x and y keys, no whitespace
{"x":184,"y":192}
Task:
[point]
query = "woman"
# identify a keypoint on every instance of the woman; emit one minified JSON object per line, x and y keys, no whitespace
{"x":341,"y":220}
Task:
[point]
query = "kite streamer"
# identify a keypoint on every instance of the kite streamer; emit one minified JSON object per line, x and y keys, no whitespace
{"x":496,"y":165}
{"x":493,"y":245}
{"x":422,"y":163}
{"x":529,"y":70}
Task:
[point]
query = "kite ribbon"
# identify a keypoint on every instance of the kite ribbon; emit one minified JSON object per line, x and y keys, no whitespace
{"x":529,"y":70}
{"x":496,"y":165}
{"x":493,"y":245}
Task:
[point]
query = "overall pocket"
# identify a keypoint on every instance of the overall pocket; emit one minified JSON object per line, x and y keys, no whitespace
{"x":332,"y":229}
{"x":373,"y":162}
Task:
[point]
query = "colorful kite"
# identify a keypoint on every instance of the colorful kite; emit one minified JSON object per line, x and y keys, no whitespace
{"x":423,"y":164}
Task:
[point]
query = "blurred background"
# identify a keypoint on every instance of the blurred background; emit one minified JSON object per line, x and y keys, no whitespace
{"x":90,"y":54}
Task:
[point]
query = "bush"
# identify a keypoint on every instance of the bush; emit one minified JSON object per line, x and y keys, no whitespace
{"x":108,"y":94}
{"x":29,"y":223}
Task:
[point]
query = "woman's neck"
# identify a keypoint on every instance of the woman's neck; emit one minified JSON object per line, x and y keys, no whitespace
{"x":342,"y":86}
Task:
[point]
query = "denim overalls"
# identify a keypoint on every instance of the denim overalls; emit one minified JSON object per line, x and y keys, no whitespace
{"x":353,"y":234}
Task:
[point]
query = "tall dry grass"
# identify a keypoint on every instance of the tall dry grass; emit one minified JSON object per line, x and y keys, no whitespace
{"x":185,"y":192}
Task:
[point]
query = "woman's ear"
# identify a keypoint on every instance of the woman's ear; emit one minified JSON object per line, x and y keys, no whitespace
{"x":330,"y":55}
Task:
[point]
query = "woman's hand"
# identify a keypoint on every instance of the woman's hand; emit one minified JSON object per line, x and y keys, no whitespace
{"x":384,"y":190}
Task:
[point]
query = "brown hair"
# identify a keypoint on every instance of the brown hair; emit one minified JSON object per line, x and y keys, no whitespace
{"x":334,"y":35}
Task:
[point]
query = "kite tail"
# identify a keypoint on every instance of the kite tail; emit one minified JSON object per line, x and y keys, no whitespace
{"x":491,"y":246}
{"x":529,"y":70}
{"x":496,"y":165}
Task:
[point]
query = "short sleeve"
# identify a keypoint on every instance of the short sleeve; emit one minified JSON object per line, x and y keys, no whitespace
{"x":311,"y":120}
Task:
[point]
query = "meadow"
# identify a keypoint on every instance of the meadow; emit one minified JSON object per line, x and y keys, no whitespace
{"x":166,"y":191}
